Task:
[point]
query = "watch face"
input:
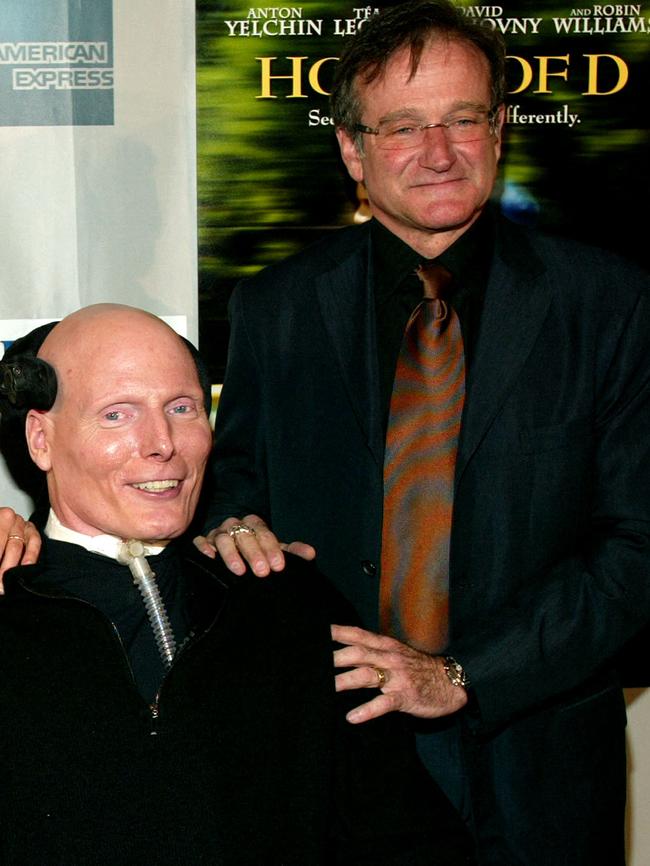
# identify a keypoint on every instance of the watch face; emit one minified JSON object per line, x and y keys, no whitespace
{"x":455,"y":672}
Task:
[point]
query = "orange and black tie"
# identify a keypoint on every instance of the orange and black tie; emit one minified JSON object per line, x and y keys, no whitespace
{"x":420,"y":458}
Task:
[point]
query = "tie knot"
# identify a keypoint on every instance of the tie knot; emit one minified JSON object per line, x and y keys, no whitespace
{"x":435,"y":278}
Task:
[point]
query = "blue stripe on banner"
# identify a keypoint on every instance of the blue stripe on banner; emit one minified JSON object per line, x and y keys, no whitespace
{"x":56,"y":63}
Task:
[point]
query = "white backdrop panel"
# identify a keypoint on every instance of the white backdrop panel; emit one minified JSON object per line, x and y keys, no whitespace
{"x":94,"y":210}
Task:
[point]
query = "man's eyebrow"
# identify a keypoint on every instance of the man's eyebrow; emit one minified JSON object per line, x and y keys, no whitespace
{"x":197,"y":398}
{"x":402,"y":114}
{"x":468,"y":104}
{"x":107,"y":403}
{"x":110,"y":400}
{"x":416,"y":114}
{"x":186,"y":395}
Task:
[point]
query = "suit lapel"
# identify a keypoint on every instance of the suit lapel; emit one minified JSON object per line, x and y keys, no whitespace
{"x":516,"y":301}
{"x":347,"y":306}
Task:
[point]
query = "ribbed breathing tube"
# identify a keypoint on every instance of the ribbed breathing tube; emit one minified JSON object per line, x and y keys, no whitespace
{"x":131,"y":553}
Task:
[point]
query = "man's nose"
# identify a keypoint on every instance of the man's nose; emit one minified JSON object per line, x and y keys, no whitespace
{"x":157,"y":440}
{"x":436,"y":151}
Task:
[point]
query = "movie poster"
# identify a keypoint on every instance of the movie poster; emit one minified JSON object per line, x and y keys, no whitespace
{"x":270,"y":181}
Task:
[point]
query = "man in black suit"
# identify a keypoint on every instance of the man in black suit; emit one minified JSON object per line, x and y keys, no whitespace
{"x":153,"y":707}
{"x":520,"y":717}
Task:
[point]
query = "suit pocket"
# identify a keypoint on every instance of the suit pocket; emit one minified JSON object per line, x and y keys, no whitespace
{"x":536,"y":440}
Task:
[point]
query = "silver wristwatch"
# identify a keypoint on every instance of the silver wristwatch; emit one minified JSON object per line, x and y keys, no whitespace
{"x":455,"y":672}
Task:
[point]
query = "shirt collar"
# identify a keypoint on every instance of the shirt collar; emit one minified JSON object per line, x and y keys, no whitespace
{"x":106,"y":545}
{"x":467,"y":259}
{"x":393,"y":259}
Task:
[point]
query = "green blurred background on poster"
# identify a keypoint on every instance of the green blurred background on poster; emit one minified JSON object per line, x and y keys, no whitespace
{"x":269,"y":178}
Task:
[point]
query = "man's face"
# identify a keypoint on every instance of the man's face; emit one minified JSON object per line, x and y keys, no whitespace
{"x":437,"y":187}
{"x":126,"y":443}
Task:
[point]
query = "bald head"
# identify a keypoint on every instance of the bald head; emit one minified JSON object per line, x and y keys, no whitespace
{"x":126,"y":442}
{"x":82,"y":341}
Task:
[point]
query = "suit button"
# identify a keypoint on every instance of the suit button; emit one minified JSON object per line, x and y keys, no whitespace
{"x":369,"y":567}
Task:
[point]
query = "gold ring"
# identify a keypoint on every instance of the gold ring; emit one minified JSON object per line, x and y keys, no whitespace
{"x":18,"y":537}
{"x":240,"y":528}
{"x":382,"y":679}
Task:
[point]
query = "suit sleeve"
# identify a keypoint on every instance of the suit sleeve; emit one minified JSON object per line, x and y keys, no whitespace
{"x":238,"y":476}
{"x":568,"y":622}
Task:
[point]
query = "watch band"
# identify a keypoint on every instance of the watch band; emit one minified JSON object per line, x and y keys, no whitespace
{"x":455,"y":672}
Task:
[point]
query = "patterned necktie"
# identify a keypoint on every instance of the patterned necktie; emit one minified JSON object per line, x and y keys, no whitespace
{"x":421,"y":444}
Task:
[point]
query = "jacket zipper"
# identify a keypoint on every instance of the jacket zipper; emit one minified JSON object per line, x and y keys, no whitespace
{"x":154,"y":707}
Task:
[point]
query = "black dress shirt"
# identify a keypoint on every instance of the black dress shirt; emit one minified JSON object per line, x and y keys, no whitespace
{"x":398,"y":290}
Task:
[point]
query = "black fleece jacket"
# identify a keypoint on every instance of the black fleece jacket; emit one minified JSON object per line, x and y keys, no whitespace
{"x":244,"y":757}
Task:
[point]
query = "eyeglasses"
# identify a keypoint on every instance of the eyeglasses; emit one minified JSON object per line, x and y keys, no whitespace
{"x":402,"y":134}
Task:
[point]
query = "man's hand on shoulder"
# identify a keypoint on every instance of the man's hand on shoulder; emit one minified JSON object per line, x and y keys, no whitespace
{"x":20,"y":542}
{"x":410,"y":681}
{"x":249,"y":540}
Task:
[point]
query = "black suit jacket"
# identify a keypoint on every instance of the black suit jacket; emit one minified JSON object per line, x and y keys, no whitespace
{"x":550,"y":562}
{"x":246,"y":760}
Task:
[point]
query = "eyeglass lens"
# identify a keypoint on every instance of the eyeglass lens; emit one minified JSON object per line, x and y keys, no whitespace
{"x":401,"y":135}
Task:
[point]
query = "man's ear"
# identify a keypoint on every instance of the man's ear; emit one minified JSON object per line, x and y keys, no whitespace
{"x":38,"y":429}
{"x":350,"y":154}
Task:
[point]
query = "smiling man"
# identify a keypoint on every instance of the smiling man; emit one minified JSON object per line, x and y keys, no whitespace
{"x":129,"y":460}
{"x":454,"y":411}
{"x":432,"y":143}
{"x":152,"y":708}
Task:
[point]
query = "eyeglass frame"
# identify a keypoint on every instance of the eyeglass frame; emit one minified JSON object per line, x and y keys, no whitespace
{"x":491,"y":116}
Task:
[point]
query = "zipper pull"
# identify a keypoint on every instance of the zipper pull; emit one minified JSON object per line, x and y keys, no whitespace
{"x":155,"y":713}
